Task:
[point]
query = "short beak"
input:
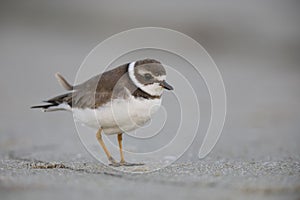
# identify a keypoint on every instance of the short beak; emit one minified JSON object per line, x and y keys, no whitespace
{"x":166,"y":85}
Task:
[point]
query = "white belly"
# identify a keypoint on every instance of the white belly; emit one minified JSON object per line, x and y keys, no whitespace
{"x":120,"y":115}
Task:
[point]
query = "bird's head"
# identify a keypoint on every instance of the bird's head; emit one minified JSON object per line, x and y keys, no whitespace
{"x":149,"y":75}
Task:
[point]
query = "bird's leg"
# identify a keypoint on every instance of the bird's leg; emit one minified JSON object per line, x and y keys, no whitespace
{"x":123,"y":162}
{"x":109,"y":157}
{"x":121,"y":148}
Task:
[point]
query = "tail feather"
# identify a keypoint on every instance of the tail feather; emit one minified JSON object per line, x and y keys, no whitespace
{"x":61,"y":102}
{"x":42,"y":106}
{"x":52,"y":107}
{"x":63,"y":82}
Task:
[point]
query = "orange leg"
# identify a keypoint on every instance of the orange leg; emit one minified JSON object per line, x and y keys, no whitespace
{"x":123,"y":162}
{"x":121,"y":148}
{"x":109,"y":157}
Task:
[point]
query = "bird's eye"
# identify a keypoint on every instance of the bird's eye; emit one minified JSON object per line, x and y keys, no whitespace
{"x":148,"y":76}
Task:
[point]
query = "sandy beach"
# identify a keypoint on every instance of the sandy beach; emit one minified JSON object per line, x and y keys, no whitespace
{"x":255,"y":47}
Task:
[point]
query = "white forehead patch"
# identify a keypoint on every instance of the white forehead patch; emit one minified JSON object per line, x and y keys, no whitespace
{"x":153,"y":89}
{"x":161,"y":78}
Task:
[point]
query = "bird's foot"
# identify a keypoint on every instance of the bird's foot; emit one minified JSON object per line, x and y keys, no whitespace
{"x":113,"y":162}
{"x":124,"y":163}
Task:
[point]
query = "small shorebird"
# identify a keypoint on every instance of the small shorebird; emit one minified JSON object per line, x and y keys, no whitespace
{"x":114,"y":102}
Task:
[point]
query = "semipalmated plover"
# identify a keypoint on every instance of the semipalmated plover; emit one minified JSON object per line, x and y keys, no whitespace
{"x":116,"y":101}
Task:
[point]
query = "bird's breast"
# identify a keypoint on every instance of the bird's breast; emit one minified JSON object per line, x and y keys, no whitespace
{"x":119,"y":115}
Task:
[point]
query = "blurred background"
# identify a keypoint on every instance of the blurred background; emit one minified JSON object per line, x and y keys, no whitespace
{"x":255,"y":44}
